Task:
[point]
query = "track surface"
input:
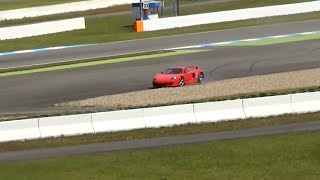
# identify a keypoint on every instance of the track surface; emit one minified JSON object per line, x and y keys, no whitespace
{"x":34,"y":91}
{"x":156,"y":142}
{"x":117,"y":48}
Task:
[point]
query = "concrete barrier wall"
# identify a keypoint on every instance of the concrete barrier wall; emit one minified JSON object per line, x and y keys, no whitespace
{"x":167,"y":116}
{"x":61,"y":8}
{"x":305,"y":102}
{"x":65,"y":125}
{"x":219,"y":111}
{"x":118,"y":120}
{"x":41,"y":28}
{"x":267,"y":106}
{"x":231,"y":15}
{"x":19,"y":130}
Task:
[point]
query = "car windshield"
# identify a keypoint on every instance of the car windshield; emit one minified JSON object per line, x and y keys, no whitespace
{"x":173,"y":71}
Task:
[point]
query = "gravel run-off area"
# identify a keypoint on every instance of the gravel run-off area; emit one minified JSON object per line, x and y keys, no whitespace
{"x":209,"y":90}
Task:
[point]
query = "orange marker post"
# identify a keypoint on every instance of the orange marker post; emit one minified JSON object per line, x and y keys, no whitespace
{"x":138,"y":26}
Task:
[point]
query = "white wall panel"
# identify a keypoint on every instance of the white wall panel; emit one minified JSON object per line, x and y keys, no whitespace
{"x":118,"y":120}
{"x":305,"y":102}
{"x":19,"y":130}
{"x":167,"y":116}
{"x":43,"y":28}
{"x":267,"y":106}
{"x":60,"y":8}
{"x":230,"y":15}
{"x":65,"y":125}
{"x":218,"y":111}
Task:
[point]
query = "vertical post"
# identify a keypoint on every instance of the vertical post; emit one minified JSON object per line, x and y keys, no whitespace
{"x":174,"y":7}
{"x":162,"y":6}
{"x":178,"y":8}
{"x":141,"y":17}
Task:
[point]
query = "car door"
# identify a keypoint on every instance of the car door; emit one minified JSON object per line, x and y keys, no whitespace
{"x":188,"y":77}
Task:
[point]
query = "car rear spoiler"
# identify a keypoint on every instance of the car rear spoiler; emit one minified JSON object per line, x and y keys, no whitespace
{"x":197,"y":67}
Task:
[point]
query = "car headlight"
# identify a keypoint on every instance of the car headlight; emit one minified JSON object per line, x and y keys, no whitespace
{"x":174,"y":78}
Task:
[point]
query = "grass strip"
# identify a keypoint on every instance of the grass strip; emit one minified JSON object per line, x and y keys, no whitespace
{"x":70,"y":65}
{"x":291,"y":156}
{"x":99,"y":30}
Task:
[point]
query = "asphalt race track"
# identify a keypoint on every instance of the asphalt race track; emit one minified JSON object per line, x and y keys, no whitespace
{"x":34,"y":91}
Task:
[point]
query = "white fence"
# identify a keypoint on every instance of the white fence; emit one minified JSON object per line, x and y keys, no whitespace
{"x":165,"y":116}
{"x":60,"y":8}
{"x":43,"y":28}
{"x":231,"y":15}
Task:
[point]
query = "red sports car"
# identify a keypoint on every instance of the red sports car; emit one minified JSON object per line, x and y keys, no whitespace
{"x":178,"y":76}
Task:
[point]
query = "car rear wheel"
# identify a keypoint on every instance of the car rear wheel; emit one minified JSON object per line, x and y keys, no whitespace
{"x":201,"y":78}
{"x":181,"y":82}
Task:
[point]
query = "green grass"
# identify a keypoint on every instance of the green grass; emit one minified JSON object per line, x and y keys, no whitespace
{"x":292,"y":156}
{"x":99,"y":30}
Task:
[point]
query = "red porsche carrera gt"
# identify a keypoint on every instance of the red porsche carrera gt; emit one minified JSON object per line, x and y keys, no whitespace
{"x":178,"y":76}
